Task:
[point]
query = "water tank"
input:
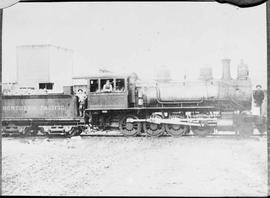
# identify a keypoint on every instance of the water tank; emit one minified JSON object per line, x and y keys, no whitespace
{"x":44,"y":64}
{"x":242,"y":71}
{"x":206,"y":73}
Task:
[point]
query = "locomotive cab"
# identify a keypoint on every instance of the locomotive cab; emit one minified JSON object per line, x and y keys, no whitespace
{"x":107,"y":92}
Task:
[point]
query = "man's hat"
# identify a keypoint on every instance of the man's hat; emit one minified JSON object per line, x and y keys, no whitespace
{"x":258,"y":86}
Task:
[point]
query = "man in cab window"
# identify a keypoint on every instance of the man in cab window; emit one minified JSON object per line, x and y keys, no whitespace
{"x":107,"y":87}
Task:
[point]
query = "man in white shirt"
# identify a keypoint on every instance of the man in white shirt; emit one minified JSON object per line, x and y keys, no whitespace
{"x":107,"y":87}
{"x":82,"y":97}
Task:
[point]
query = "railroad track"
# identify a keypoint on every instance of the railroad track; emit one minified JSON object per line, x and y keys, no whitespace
{"x":118,"y":134}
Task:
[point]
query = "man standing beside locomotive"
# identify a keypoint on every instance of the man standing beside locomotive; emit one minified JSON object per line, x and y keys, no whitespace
{"x":82,"y":97}
{"x":258,"y":96}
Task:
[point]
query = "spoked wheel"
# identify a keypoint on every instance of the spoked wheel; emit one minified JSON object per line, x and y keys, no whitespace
{"x":202,"y":131}
{"x":29,"y":131}
{"x":73,"y":132}
{"x":130,"y":128}
{"x":153,"y":129}
{"x":5,"y":134}
{"x":41,"y":130}
{"x":79,"y":131}
{"x":176,"y":130}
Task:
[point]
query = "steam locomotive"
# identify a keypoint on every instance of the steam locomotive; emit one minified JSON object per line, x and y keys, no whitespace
{"x":134,"y":106}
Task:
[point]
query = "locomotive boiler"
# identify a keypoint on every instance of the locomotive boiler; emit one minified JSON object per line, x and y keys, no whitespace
{"x":225,"y":91}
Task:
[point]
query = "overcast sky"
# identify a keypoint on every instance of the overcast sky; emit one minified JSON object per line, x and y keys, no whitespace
{"x":141,"y":37}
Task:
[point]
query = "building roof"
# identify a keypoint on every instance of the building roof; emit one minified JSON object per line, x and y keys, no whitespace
{"x":44,"y":45}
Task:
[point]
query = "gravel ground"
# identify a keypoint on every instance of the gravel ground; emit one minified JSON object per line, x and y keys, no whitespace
{"x":184,"y":166}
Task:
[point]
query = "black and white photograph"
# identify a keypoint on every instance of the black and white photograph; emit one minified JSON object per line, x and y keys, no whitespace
{"x":134,"y":98}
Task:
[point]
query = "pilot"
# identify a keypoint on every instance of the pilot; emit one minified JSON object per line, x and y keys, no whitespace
{"x":82,"y":99}
{"x":107,"y":87}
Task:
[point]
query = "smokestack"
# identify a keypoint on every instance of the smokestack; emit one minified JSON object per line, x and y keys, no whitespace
{"x":226,"y":75}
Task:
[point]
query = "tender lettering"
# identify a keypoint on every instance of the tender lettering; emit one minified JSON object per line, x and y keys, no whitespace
{"x":34,"y":108}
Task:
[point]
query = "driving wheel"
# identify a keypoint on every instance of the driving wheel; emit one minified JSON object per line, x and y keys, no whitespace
{"x":130,"y":128}
{"x":154,"y":129}
{"x":176,"y":129}
{"x":202,"y":131}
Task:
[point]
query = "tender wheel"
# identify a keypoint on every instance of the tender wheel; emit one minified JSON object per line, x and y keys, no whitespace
{"x":42,"y":131}
{"x":129,"y":128}
{"x":202,"y":131}
{"x":176,"y":130}
{"x":73,"y":132}
{"x":79,"y":132}
{"x":29,"y":131}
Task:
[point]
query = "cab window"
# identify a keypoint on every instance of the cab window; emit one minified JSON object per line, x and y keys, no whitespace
{"x":106,"y":85}
{"x":93,"y":85}
{"x":120,"y":85}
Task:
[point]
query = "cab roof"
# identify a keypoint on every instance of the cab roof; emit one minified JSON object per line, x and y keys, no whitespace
{"x":102,"y":75}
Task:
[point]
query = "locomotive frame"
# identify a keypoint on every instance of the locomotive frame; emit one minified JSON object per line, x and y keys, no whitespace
{"x":132,"y":116}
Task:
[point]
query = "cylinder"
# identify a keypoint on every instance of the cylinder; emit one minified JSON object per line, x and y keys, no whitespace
{"x":225,"y":125}
{"x":226,"y":74}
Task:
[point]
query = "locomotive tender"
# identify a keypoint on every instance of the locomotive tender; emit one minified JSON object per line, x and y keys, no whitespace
{"x":134,"y":106}
{"x":52,"y":114}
